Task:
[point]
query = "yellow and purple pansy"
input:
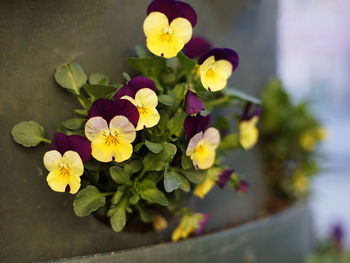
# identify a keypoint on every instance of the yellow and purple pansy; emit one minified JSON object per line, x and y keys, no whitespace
{"x":193,"y":104}
{"x":190,"y":223}
{"x":141,"y":92}
{"x":111,"y":129}
{"x":196,"y":47}
{"x":65,"y":161}
{"x":248,"y":132}
{"x":216,"y":66}
{"x":168,"y":26}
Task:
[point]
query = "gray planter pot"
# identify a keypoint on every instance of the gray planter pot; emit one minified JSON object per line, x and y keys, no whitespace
{"x":36,"y":36}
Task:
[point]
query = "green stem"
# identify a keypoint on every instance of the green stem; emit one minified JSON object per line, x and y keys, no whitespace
{"x":216,"y":102}
{"x":46,"y":140}
{"x":82,"y":103}
{"x":109,"y":193}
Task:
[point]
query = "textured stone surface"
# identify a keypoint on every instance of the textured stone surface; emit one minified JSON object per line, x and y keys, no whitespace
{"x":36,"y":36}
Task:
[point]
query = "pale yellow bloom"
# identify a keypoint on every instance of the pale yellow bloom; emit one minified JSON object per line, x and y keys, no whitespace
{"x":248,"y":133}
{"x":203,"y":188}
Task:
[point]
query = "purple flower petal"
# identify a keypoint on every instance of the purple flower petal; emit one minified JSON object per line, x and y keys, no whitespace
{"x":193,"y":104}
{"x":202,"y":223}
{"x":196,"y":47}
{"x":224,"y":176}
{"x":196,"y":124}
{"x":173,"y":9}
{"x":221,"y":53}
{"x":63,"y":143}
{"x":134,"y":85}
{"x":242,"y":186}
{"x":108,"y":109}
{"x":246,"y":112}
{"x":337,"y":233}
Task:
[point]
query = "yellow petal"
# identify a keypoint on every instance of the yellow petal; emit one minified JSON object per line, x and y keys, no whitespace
{"x":203,"y":156}
{"x":74,"y":184}
{"x":181,"y":28}
{"x":73,"y":163}
{"x":176,"y":234}
{"x":193,"y":143}
{"x":155,"y":23}
{"x":223,"y":68}
{"x":164,"y":44}
{"x":211,"y":137}
{"x":52,"y":160}
{"x":122,"y":129}
{"x":146,"y":98}
{"x":56,"y":181}
{"x":248,"y":133}
{"x":96,"y":127}
{"x":202,"y":189}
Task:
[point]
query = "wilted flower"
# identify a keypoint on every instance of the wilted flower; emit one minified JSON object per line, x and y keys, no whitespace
{"x":141,"y":92}
{"x":168,"y":26}
{"x":65,"y":162}
{"x":190,"y":223}
{"x":196,"y":47}
{"x":111,"y":129}
{"x":202,"y":147}
{"x":248,"y":132}
{"x":217,"y":66}
{"x":193,"y":104}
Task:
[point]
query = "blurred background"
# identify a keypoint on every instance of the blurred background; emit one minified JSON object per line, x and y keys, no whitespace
{"x":314,"y":65}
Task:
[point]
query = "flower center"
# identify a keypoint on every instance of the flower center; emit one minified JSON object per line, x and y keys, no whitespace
{"x":210,"y":73}
{"x":112,"y":139}
{"x":64,"y":172}
{"x":142,"y":110}
{"x":166,"y":36}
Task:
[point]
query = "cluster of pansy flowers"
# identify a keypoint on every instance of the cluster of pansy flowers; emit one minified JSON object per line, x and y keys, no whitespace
{"x":137,"y":144}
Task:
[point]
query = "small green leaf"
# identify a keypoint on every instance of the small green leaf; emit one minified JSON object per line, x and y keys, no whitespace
{"x":154,"y":147}
{"x":74,"y":123}
{"x":158,"y":161}
{"x":133,"y":167}
{"x":180,"y":90}
{"x":98,"y":91}
{"x":81,"y":112}
{"x":134,"y":199}
{"x":119,"y":175}
{"x":71,"y":77}
{"x":165,"y":99}
{"x":194,"y":176}
{"x":126,"y":76}
{"x":145,"y":215}
{"x":28,"y":133}
{"x":88,"y":200}
{"x":98,"y":79}
{"x":188,"y":64}
{"x":186,"y":162}
{"x":138,"y":146}
{"x":140,"y":51}
{"x":155,"y":196}
{"x":116,"y":197}
{"x":147,"y":184}
{"x":118,"y":219}
{"x":171,"y":181}
{"x":176,"y":124}
{"x":149,"y":66}
{"x":233,"y":93}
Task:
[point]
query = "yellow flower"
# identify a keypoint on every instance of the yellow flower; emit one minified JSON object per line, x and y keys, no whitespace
{"x":164,"y":39}
{"x":309,"y":139}
{"x":214,"y":73}
{"x":301,"y":183}
{"x":113,"y":142}
{"x":248,"y":132}
{"x":201,"y":148}
{"x":65,"y":171}
{"x":159,"y":223}
{"x":203,"y":188}
{"x":146,"y":101}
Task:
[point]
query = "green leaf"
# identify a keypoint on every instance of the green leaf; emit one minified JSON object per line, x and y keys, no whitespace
{"x":126,"y":76}
{"x":171,"y":181}
{"x":158,"y":161}
{"x":88,"y":200}
{"x":74,"y":123}
{"x":233,"y":93}
{"x":180,"y":90}
{"x":98,"y":91}
{"x":119,"y":175}
{"x":133,"y":167}
{"x":154,"y":147}
{"x":134,"y":199}
{"x":71,"y":77}
{"x":194,"y":176}
{"x":188,"y":64}
{"x":140,"y":51}
{"x":230,"y":142}
{"x":28,"y":133}
{"x":98,"y":79}
{"x":116,"y":197}
{"x":185,"y":184}
{"x":165,"y":99}
{"x":118,"y":219}
{"x":176,"y":124}
{"x":155,"y":196}
{"x":138,"y":146}
{"x":81,"y":112}
{"x":145,"y":215}
{"x":186,"y":162}
{"x":149,"y":66}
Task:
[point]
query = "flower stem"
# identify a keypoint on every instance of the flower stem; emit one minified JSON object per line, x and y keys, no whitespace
{"x":46,"y":140}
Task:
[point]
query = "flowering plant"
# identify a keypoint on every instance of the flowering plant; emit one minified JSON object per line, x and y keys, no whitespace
{"x":289,"y":136}
{"x":139,"y":147}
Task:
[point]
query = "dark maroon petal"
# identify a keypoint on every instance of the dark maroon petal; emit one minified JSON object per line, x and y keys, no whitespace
{"x":63,"y":143}
{"x":67,"y":189}
{"x":108,"y":109}
{"x":202,"y":223}
{"x":196,"y":47}
{"x":246,"y":115}
{"x":193,"y":104}
{"x":242,"y":186}
{"x":173,"y":9}
{"x":196,"y":124}
{"x":138,"y":83}
{"x":124,"y":91}
{"x":221,"y":53}
{"x":224,"y":176}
